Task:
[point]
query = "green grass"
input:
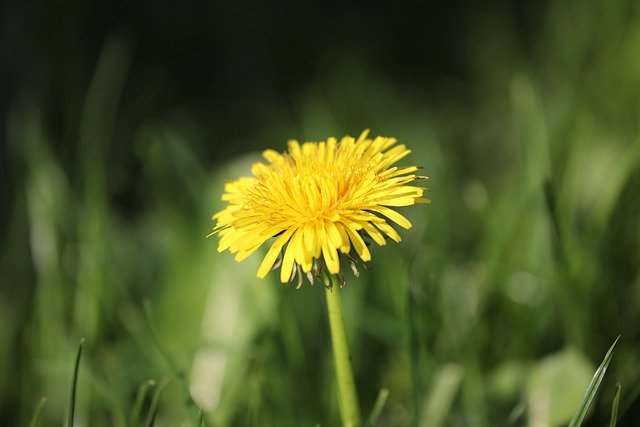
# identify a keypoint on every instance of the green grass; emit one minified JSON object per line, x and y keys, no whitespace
{"x":74,"y":387}
{"x":497,"y":305}
{"x":590,"y":394}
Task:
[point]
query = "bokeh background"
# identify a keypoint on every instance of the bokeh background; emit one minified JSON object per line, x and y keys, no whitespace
{"x":122,"y":120}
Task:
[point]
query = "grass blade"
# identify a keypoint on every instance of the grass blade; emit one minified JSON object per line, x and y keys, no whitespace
{"x":614,"y":406}
{"x":141,"y":395}
{"x":442,"y":395}
{"x":381,"y":400}
{"x":591,"y":391}
{"x":37,"y":412}
{"x":155,"y":401}
{"x":201,"y":420}
{"x":74,"y":384}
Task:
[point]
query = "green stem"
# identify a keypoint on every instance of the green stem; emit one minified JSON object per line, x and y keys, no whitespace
{"x":347,"y":395}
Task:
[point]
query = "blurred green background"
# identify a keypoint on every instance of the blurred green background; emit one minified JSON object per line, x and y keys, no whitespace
{"x":122,"y":120}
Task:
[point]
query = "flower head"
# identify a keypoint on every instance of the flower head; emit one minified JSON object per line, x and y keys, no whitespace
{"x":319,"y":200}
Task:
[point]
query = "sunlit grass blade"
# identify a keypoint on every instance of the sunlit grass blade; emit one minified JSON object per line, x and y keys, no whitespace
{"x":141,"y":395}
{"x":37,"y":412}
{"x":592,"y":390}
{"x":155,"y":402}
{"x":614,"y":406}
{"x":442,"y":395}
{"x":381,"y":400}
{"x":201,"y":419}
{"x":74,"y":386}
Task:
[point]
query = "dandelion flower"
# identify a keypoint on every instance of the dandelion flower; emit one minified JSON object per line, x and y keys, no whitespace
{"x":320,"y":200}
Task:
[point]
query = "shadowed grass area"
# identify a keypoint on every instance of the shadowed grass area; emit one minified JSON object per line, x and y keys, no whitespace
{"x":496,"y":307}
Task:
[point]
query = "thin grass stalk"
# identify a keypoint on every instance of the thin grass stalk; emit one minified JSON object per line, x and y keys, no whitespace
{"x":143,"y":391}
{"x":381,"y":400}
{"x":37,"y":412}
{"x":614,"y":406}
{"x":592,"y":389}
{"x":74,"y":386}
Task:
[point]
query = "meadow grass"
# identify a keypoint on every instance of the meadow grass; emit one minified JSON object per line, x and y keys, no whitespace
{"x":494,"y":310}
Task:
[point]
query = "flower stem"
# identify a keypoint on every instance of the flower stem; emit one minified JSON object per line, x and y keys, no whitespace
{"x":347,"y":395}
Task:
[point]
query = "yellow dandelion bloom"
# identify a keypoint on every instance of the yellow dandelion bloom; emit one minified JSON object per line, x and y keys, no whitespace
{"x":318,"y":200}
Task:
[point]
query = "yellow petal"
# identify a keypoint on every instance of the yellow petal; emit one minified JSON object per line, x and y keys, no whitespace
{"x":331,"y":259}
{"x":344,"y":237}
{"x":273,"y":252}
{"x":334,"y":234}
{"x":393,"y":216}
{"x":358,"y":244}
{"x":287,"y":263}
{"x":388,"y":230}
{"x":374,"y":233}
